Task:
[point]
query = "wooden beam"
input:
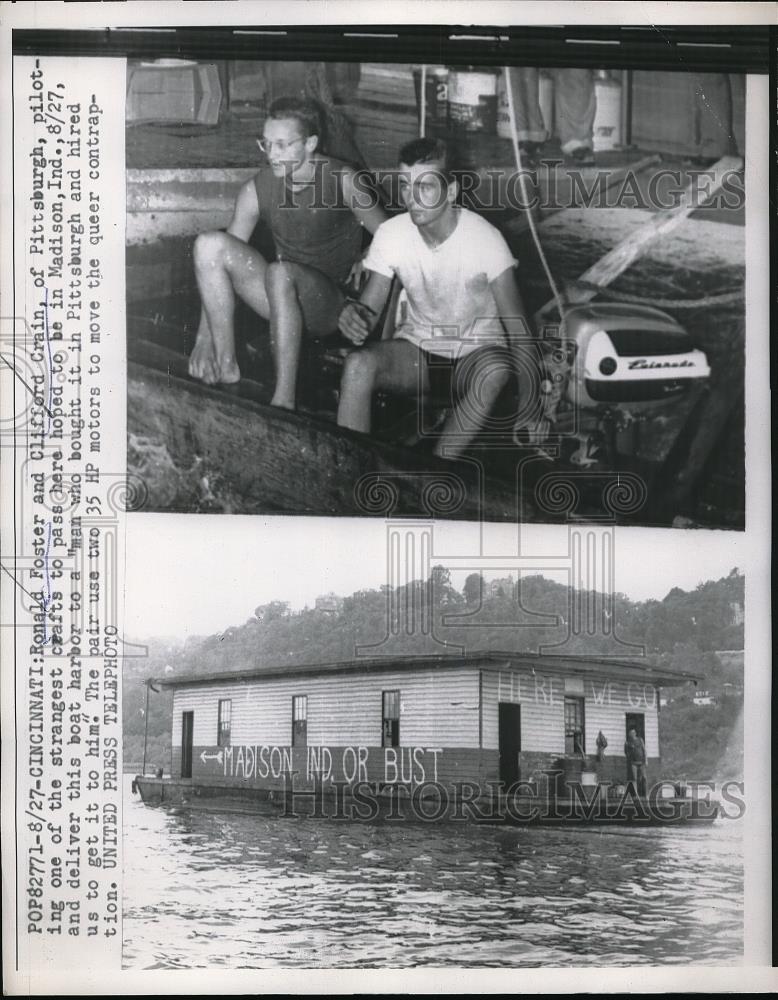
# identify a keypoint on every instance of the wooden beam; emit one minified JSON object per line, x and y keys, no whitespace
{"x":193,"y":447}
{"x":622,"y":256}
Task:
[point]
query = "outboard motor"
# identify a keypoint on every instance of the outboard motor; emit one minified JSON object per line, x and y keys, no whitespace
{"x":629,"y":355}
{"x":625,"y":361}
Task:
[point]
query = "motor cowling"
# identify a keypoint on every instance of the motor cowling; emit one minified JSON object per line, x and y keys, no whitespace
{"x":629,"y":355}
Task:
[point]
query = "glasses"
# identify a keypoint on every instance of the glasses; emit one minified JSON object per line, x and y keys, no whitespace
{"x":266,"y":145}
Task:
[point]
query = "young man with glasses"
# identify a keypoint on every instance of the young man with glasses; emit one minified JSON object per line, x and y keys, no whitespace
{"x":464,"y":335}
{"x":315,"y":209}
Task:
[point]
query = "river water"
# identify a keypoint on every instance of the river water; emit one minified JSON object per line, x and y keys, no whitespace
{"x":243,"y":891}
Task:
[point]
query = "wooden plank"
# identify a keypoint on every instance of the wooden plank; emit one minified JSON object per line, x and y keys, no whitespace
{"x":194,"y":447}
{"x":144,"y":228}
{"x":697,"y":244}
{"x":622,"y":256}
{"x":163,"y":190}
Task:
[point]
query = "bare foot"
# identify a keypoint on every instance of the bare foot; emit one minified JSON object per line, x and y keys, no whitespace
{"x":282,"y":402}
{"x":206,"y":366}
{"x":227,"y":371}
{"x":202,"y":360}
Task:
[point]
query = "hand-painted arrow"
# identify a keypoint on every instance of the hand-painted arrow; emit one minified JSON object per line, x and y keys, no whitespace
{"x":212,"y":756}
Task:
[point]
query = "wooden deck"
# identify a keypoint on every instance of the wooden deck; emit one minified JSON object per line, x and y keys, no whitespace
{"x":196,"y":448}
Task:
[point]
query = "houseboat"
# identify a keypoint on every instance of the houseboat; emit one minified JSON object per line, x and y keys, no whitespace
{"x":488,"y":736}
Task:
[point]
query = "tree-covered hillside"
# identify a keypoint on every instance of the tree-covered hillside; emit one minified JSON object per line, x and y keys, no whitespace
{"x":681,"y":632}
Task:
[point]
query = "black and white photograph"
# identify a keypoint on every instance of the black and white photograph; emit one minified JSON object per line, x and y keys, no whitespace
{"x":517,"y":772}
{"x":385,"y":475}
{"x":379,"y":288}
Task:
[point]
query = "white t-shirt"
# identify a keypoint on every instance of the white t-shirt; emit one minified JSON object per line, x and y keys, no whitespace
{"x":451,"y":307}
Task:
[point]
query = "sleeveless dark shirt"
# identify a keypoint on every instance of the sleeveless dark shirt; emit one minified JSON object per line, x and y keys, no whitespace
{"x":311,"y":224}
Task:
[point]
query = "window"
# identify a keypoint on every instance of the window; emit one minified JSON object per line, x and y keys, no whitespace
{"x":390,"y":726}
{"x":225,"y":722}
{"x":300,"y":720}
{"x":574,"y":726}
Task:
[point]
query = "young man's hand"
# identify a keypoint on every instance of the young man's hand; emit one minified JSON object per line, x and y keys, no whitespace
{"x":355,"y":322}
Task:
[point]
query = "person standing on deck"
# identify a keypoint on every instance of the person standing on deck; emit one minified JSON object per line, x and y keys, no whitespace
{"x":464,"y":308}
{"x":315,"y":211}
{"x":635,"y":754}
{"x":575,"y":106}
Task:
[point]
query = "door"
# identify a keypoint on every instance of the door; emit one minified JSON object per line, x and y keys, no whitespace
{"x":636,"y":721}
{"x":187,"y":732}
{"x":509,"y":739}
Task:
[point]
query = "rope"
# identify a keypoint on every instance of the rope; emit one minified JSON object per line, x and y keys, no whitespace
{"x":523,"y":181}
{"x":423,"y":102}
{"x":537,"y":432}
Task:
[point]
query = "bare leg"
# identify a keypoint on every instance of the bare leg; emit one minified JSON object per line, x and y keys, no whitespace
{"x":356,"y":390}
{"x":286,"y":332}
{"x":225,"y":267}
{"x":396,"y":365}
{"x":299,"y":297}
{"x":486,"y":372}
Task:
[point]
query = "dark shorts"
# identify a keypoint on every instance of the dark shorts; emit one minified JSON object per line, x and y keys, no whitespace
{"x":441,"y":376}
{"x":449,"y":378}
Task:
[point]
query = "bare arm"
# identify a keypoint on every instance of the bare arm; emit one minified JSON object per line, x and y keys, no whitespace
{"x":359,"y":318}
{"x":362,"y":201}
{"x":245,"y":215}
{"x":511,"y":309}
{"x":514,"y":318}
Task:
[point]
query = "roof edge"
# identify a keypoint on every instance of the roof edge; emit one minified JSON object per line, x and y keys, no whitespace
{"x":551,"y":663}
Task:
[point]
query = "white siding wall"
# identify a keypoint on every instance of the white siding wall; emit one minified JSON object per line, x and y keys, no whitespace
{"x":542,"y":722}
{"x":541,"y":697}
{"x":437,"y":708}
{"x":611,"y":720}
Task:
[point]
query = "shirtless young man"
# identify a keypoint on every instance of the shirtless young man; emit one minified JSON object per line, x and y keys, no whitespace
{"x":315,"y":212}
{"x":464,"y":308}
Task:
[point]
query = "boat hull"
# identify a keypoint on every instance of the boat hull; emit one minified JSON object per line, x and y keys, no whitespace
{"x":441,"y":803}
{"x":193,"y":448}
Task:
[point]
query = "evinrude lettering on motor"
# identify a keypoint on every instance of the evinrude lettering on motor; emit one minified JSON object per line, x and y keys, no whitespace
{"x":641,"y":363}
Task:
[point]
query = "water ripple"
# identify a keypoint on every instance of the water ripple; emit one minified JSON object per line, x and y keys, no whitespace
{"x":238,"y":891}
